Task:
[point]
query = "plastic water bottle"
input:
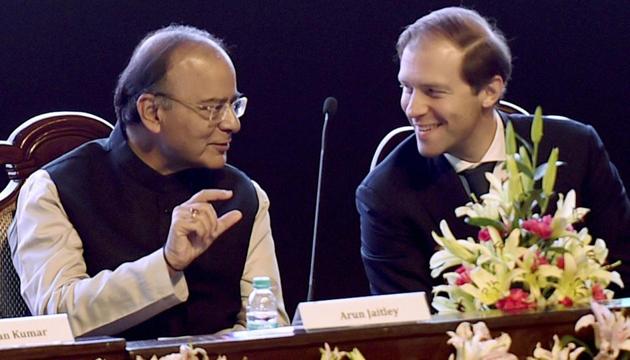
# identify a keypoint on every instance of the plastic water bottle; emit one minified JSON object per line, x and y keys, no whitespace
{"x":262,"y":309}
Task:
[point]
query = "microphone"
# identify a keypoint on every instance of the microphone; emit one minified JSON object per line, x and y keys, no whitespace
{"x":329,"y":109}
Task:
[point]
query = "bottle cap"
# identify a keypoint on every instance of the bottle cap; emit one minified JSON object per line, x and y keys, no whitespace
{"x":262,"y":282}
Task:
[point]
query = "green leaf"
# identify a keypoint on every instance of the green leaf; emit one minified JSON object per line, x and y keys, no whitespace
{"x":537,"y":126}
{"x":559,"y":250}
{"x":481,"y":222}
{"x":550,"y":175}
{"x":544,"y":203}
{"x":525,"y":143}
{"x":566,"y":339}
{"x":523,"y":168}
{"x":510,"y":139}
{"x":534,"y":196}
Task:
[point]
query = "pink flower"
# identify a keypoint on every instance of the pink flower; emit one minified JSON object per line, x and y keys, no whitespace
{"x":560,"y":262}
{"x":484,"y":235}
{"x":598,"y":292}
{"x":516,"y":301}
{"x":567,"y":301}
{"x":540,"y":259}
{"x":464,"y":276}
{"x":540,"y":227}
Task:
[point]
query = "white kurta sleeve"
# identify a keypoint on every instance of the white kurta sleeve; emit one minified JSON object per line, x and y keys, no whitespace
{"x":48,"y":257}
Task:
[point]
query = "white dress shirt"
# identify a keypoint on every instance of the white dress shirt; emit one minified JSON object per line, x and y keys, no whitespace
{"x":496,"y":152}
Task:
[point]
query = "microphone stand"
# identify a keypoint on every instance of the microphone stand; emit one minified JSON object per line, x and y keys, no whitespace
{"x":330,"y":107}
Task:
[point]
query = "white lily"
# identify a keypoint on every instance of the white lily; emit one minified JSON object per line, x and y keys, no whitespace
{"x":475,"y":210}
{"x":441,"y":261}
{"x":557,"y":352}
{"x":612,"y":331}
{"x":444,"y":305}
{"x":571,"y":285}
{"x":600,"y":251}
{"x":456,"y":302}
{"x":476,"y":343}
{"x":511,"y":250}
{"x":466,"y":250}
{"x":487,"y":287}
{"x":566,"y":208}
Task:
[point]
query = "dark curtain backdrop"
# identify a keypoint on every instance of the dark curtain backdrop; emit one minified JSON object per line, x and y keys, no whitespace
{"x":571,"y":57}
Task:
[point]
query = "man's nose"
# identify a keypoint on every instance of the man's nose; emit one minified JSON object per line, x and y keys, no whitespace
{"x":230,"y":122}
{"x":417,"y":105}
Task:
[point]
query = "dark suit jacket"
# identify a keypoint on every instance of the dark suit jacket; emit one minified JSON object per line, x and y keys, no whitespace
{"x":404,"y":198}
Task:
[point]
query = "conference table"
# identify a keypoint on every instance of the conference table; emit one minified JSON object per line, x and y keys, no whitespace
{"x":418,"y":340}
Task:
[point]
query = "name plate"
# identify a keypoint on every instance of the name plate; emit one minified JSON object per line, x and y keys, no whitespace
{"x":35,"y":330}
{"x":368,"y":310}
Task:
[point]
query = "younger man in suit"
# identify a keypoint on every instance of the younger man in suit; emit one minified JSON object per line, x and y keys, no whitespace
{"x":454,"y":68}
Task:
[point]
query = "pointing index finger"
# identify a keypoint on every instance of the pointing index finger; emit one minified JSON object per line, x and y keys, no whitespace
{"x":208,"y":195}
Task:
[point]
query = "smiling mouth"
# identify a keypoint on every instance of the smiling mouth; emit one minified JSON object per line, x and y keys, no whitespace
{"x":427,"y":127}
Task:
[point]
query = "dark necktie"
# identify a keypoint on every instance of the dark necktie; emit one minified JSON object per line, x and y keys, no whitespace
{"x":476,"y":178}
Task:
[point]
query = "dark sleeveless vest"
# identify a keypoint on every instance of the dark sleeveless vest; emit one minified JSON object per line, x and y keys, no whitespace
{"x":122,"y":208}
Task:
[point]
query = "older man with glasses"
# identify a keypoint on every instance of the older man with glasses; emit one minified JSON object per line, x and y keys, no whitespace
{"x":150,"y":232}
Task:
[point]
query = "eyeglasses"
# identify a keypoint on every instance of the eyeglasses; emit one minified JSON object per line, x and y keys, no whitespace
{"x":214,"y":111}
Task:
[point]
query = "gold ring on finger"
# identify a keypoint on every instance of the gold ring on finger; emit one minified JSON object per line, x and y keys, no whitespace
{"x":193,"y":213}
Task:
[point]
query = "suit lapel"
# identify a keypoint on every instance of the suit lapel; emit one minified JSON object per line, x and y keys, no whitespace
{"x":443,"y":195}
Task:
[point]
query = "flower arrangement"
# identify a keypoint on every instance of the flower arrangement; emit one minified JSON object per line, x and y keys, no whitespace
{"x":611,"y":329}
{"x":523,"y":256}
{"x":611,"y":332}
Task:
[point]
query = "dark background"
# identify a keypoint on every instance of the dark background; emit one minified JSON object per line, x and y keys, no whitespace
{"x":571,"y":57}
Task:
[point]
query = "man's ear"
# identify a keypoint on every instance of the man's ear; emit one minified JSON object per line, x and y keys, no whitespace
{"x":148,"y":112}
{"x":492,"y":92}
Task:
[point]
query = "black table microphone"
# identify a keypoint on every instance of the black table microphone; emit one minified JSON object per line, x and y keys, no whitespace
{"x":329,"y":109}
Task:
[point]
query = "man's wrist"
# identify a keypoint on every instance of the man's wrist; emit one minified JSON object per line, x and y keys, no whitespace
{"x":168,"y":263}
